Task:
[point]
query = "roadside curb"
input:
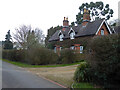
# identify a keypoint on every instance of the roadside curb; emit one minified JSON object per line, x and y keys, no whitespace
{"x":52,"y":81}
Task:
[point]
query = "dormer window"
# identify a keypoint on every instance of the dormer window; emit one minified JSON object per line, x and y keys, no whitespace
{"x":60,"y":34}
{"x":102,"y":31}
{"x":72,"y":35}
{"x":61,"y":37}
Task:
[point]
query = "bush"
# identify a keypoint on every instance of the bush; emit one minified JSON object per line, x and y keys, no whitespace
{"x":80,"y":74}
{"x":104,"y":60}
{"x":14,"y":55}
{"x":35,"y":56}
{"x":41,"y":56}
{"x":80,"y":57}
{"x":67,"y":56}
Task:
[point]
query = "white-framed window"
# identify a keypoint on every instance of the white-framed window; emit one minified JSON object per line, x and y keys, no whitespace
{"x":54,"y":49}
{"x":61,"y":37}
{"x":81,"y":49}
{"x":102,"y":31}
{"x":72,"y":47}
{"x":72,"y":35}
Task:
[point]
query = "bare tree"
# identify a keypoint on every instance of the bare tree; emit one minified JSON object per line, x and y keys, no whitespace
{"x":28,"y":37}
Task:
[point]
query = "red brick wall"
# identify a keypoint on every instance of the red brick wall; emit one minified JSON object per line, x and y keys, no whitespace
{"x":77,"y":46}
{"x":105,"y":30}
{"x":86,"y":16}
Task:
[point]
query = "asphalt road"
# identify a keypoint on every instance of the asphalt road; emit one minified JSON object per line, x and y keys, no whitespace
{"x":16,"y":77}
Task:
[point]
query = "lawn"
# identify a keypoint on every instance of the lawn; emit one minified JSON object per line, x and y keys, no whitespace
{"x":82,"y":85}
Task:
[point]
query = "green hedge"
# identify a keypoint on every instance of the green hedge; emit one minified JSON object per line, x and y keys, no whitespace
{"x":103,"y":57}
{"x":105,"y":60}
{"x":41,"y":56}
{"x":14,"y":55}
{"x":68,"y":56}
{"x":35,"y":56}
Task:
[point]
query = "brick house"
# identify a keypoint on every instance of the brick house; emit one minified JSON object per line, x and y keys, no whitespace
{"x":88,"y":29}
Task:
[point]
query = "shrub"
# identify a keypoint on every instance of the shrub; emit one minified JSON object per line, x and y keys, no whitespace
{"x":67,"y":56}
{"x":104,"y":60}
{"x":80,"y":74}
{"x":41,"y":55}
{"x":14,"y":55}
{"x":35,"y":56}
{"x":80,"y":57}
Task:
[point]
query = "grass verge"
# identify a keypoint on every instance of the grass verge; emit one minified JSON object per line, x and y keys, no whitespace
{"x":37,"y":66}
{"x":82,"y":85}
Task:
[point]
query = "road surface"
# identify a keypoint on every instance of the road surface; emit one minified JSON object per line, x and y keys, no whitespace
{"x":16,"y":77}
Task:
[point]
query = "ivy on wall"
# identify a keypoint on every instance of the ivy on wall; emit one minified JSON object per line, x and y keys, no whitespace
{"x":68,"y":42}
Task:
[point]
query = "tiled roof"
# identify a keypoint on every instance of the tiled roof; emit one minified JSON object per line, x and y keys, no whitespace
{"x":90,"y":29}
{"x":117,"y":29}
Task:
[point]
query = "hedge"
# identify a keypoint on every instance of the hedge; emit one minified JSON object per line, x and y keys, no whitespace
{"x":103,"y":58}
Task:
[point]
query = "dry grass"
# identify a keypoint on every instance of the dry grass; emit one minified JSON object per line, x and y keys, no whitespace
{"x":63,"y":75}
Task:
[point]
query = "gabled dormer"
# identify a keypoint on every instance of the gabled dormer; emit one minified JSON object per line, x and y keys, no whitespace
{"x":71,"y":33}
{"x":60,"y":34}
{"x":103,"y":29}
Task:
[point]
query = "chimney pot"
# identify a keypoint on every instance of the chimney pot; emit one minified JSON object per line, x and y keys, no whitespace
{"x":64,"y":18}
{"x":65,"y":23}
{"x":67,"y":18}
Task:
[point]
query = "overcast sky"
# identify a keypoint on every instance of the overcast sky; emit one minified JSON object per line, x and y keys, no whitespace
{"x":41,"y":13}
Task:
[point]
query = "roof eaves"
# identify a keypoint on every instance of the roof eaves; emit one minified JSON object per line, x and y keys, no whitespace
{"x":100,"y":27}
{"x":71,"y":29}
{"x":108,"y":27}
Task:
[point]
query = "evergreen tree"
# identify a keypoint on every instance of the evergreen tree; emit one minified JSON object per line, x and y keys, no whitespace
{"x":7,"y":43}
{"x":97,"y":10}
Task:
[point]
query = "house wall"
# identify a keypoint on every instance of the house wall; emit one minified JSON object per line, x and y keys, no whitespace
{"x":105,"y":30}
{"x":79,"y":41}
{"x":69,"y":42}
{"x":77,"y":46}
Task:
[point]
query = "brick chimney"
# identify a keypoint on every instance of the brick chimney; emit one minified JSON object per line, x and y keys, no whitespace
{"x":65,"y":23}
{"x":86,"y":17}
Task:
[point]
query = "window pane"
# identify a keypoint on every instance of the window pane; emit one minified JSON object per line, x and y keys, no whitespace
{"x":81,"y":49}
{"x":61,"y":37}
{"x":71,"y":35}
{"x":102,"y":32}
